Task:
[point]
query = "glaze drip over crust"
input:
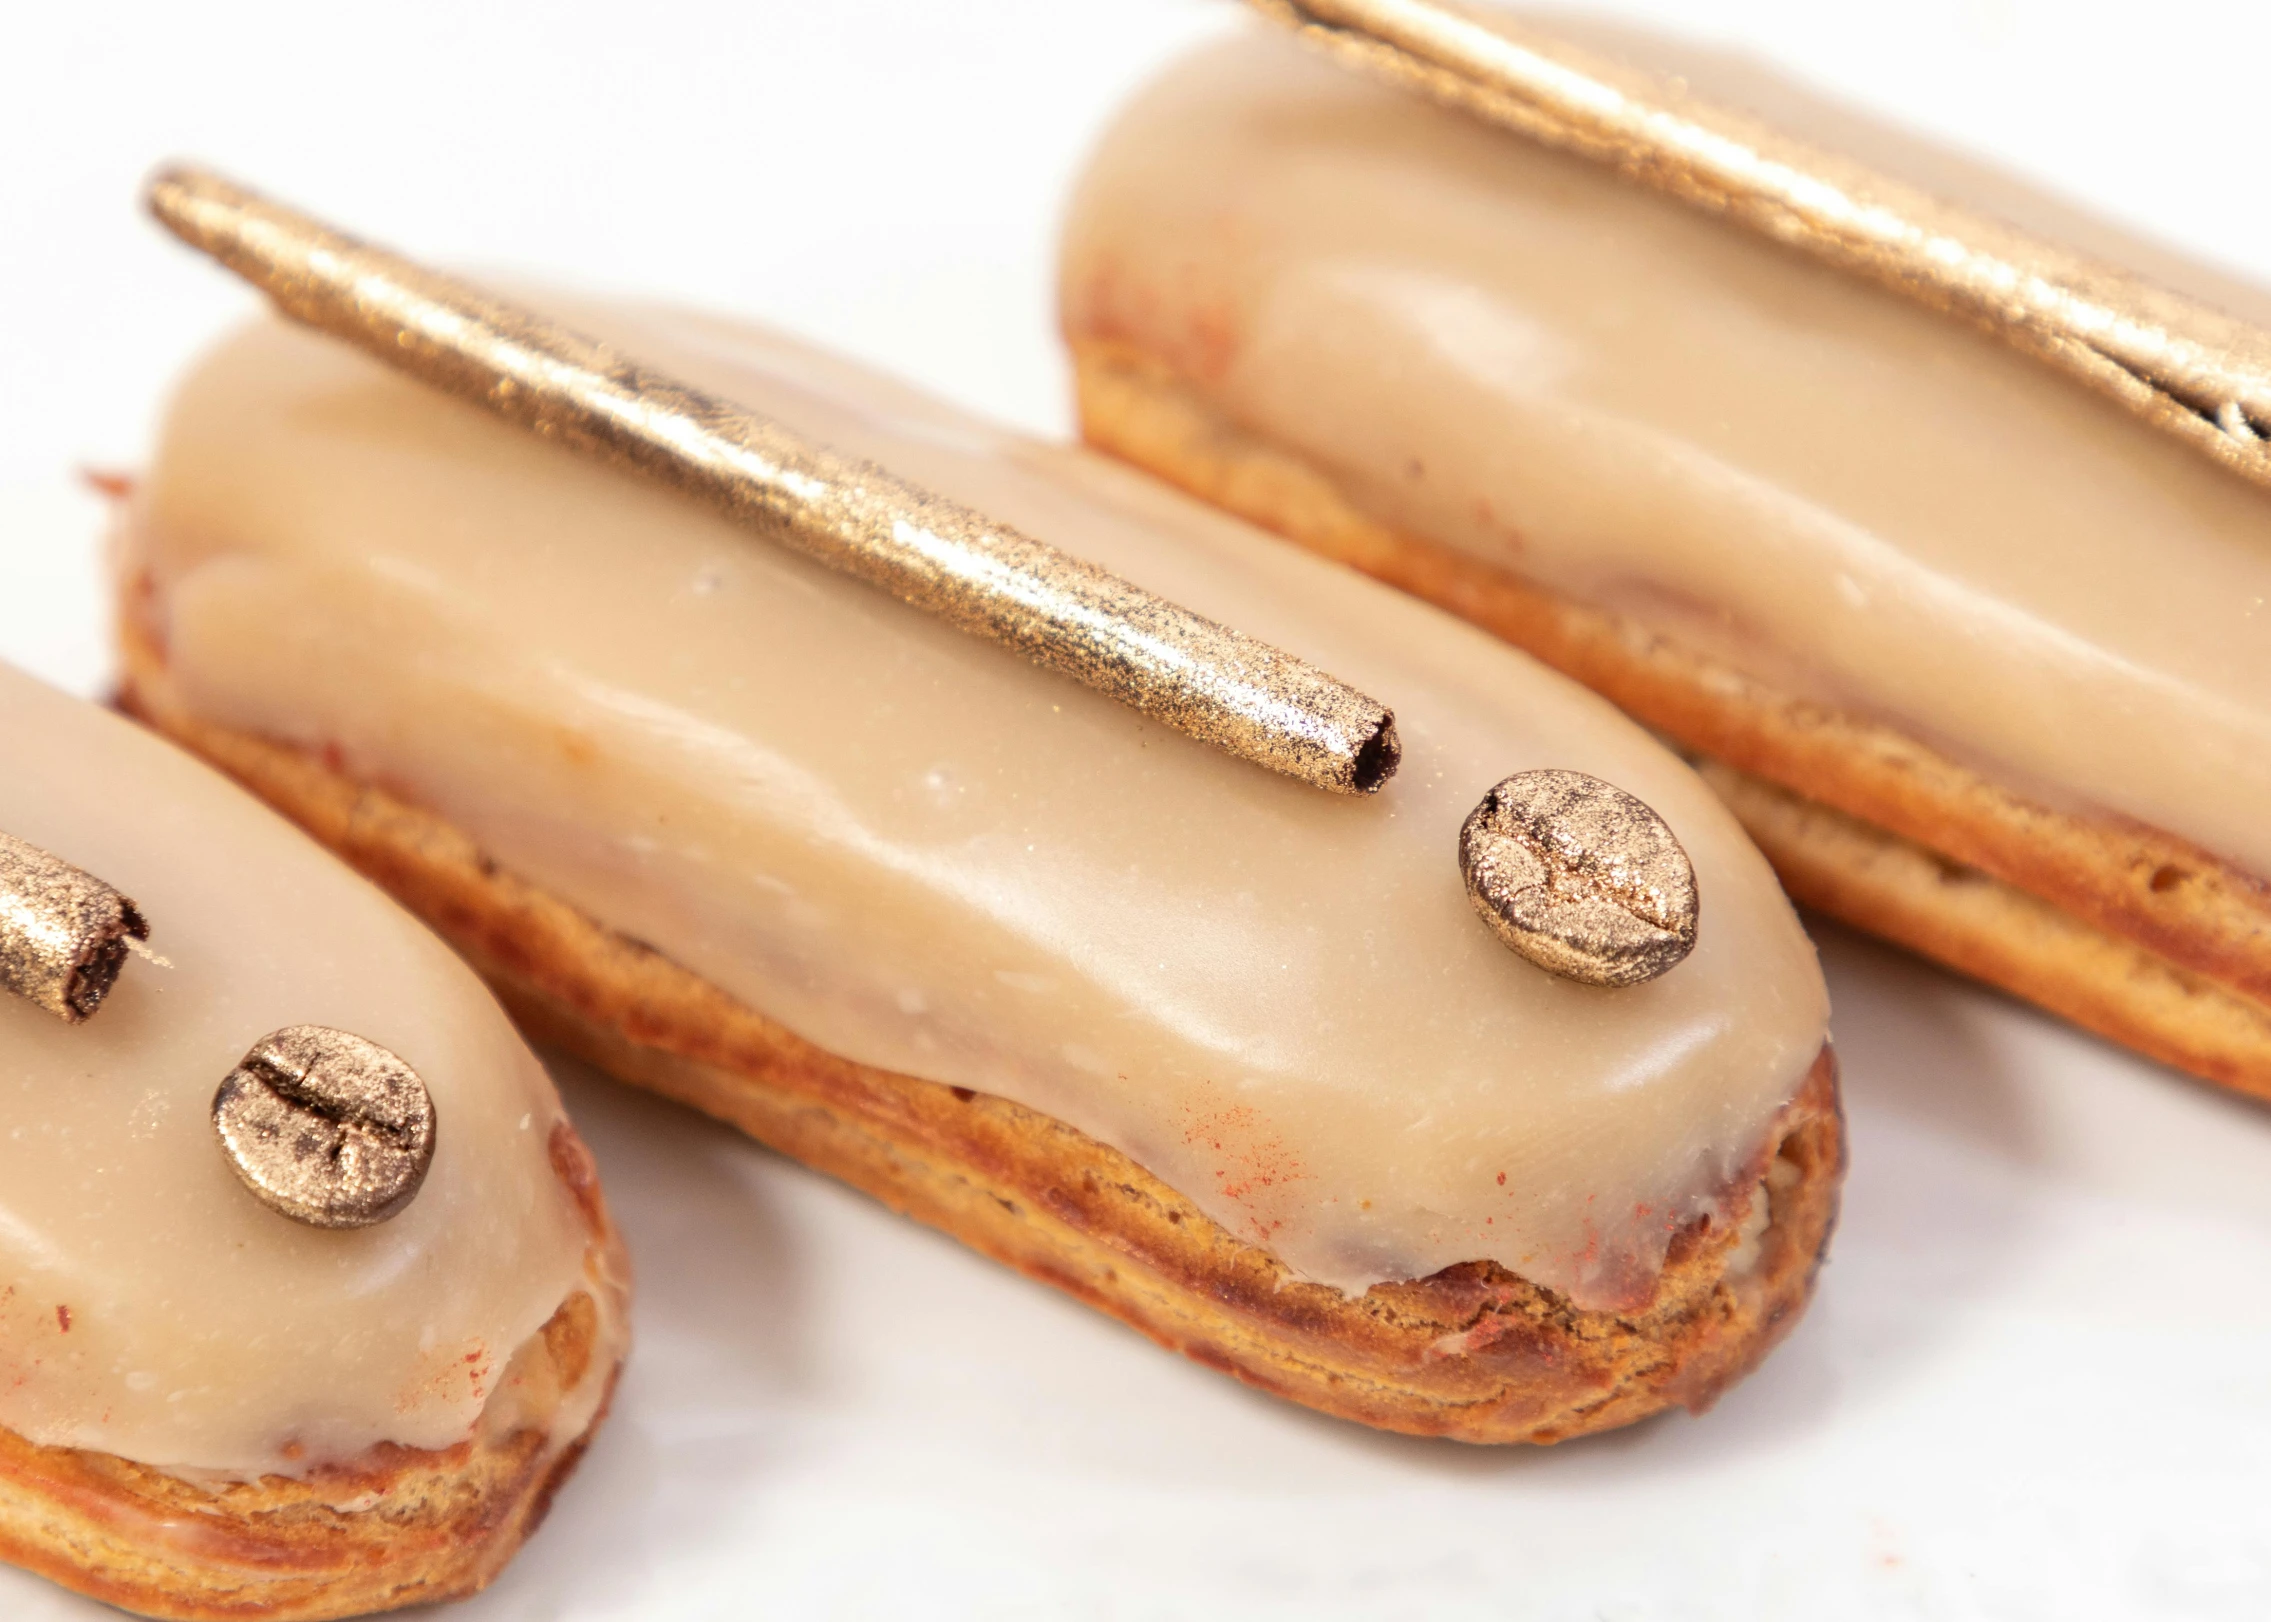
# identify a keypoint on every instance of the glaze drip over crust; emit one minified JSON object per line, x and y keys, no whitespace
{"x":154,"y":1310}
{"x":924,"y":855}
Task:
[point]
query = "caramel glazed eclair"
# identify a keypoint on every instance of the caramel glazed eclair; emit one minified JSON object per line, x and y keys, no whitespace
{"x":1980,"y":658}
{"x":308,"y":1297}
{"x":1225,"y":1056}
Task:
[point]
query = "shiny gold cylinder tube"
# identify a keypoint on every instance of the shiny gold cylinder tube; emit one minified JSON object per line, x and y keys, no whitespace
{"x":2189,"y":369}
{"x":63,"y":932}
{"x":1204,"y":679}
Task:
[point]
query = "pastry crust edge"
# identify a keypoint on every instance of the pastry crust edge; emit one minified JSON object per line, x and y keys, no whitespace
{"x":2126,"y":930}
{"x":396,"y":1526}
{"x":1474,"y":1353}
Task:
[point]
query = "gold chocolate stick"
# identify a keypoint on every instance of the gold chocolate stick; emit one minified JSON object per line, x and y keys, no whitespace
{"x":2180,"y":364}
{"x":63,"y":932}
{"x":1219,"y":686}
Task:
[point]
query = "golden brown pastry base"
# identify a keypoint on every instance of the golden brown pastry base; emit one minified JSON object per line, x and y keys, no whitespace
{"x":2123,"y":929}
{"x":397,"y":1527}
{"x":1473,"y":1352}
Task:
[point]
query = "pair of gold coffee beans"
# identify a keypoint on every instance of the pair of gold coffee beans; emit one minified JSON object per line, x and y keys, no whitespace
{"x":323,"y":1126}
{"x":331,"y":1129}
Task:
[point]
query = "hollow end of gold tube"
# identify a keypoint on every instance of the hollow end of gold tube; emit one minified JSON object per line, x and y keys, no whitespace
{"x":1377,"y":758}
{"x":98,"y":966}
{"x":63,"y":932}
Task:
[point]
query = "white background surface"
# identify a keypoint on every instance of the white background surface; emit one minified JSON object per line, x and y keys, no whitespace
{"x":2037,"y":1381}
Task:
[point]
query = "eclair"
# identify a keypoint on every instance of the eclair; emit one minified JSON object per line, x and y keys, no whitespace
{"x":1225,"y":1056}
{"x":1977,"y":653}
{"x":309,"y":1300}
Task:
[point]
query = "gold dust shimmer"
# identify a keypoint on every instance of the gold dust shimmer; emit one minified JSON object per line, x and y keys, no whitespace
{"x":1189,"y":672}
{"x":2182,"y":365}
{"x":63,"y":933}
{"x":326,"y":1127}
{"x":1581,"y":878}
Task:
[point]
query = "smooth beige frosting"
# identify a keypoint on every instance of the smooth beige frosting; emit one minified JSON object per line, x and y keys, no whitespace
{"x":150,"y":1306}
{"x":924,"y":854}
{"x":1516,"y":354}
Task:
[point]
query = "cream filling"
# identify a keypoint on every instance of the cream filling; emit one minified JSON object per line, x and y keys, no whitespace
{"x":923,"y":854}
{"x":1519,"y":356}
{"x":151,"y":1307}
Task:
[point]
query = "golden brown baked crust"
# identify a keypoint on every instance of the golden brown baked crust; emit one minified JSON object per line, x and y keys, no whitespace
{"x":1473,"y":1352}
{"x":1969,"y":921}
{"x":2127,"y":930}
{"x":397,"y":1526}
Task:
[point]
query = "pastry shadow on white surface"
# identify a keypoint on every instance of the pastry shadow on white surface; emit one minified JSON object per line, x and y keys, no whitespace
{"x":1926,"y":1091}
{"x":692,"y":1192}
{"x":720,"y":1317}
{"x":1929,"y":1052}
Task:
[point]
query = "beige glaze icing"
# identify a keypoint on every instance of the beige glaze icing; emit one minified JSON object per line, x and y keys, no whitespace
{"x":150,"y":1306}
{"x":1515,"y":354}
{"x":924,"y":854}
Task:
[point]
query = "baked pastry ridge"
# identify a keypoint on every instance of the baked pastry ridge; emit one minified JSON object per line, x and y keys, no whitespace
{"x":210,"y":1409}
{"x":755,"y":799}
{"x":1823,"y":537}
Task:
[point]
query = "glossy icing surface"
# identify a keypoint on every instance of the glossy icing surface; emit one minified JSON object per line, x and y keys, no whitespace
{"x":924,"y":854}
{"x":1513,"y":353}
{"x":150,"y":1306}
